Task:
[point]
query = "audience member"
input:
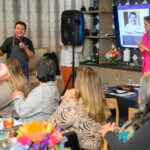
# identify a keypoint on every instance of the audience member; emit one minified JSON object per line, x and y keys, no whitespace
{"x":4,"y":73}
{"x":134,"y":135}
{"x":83,"y":109}
{"x":42,"y":100}
{"x":17,"y":78}
{"x":66,"y":61}
{"x":5,"y":89}
{"x":19,"y":47}
{"x":11,"y":79}
{"x":144,"y":47}
{"x":53,"y":56}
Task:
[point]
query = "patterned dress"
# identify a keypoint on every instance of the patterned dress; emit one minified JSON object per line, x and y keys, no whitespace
{"x":70,"y":117}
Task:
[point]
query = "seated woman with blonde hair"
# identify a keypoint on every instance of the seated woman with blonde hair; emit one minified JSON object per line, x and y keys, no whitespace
{"x":83,"y":110}
{"x":11,"y":79}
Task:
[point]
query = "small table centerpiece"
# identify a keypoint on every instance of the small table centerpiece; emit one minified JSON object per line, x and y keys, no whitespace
{"x":112,"y":56}
{"x":38,"y":136}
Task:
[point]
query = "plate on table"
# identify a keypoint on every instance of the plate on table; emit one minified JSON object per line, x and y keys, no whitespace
{"x":126,"y":87}
{"x":119,"y":91}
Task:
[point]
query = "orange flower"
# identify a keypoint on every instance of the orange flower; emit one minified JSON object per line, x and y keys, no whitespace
{"x":31,"y":128}
{"x":34,"y":127}
{"x":37,"y":137}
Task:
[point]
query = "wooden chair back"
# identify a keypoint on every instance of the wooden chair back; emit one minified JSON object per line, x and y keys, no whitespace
{"x":112,"y":104}
{"x":104,"y":144}
{"x":131,"y":112}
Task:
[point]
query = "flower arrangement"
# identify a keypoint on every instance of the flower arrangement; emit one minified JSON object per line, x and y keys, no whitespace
{"x":113,"y":56}
{"x":39,"y":136}
{"x":146,"y":73}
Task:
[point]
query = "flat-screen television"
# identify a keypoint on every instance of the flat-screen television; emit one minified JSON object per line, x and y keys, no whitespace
{"x":129,"y":24}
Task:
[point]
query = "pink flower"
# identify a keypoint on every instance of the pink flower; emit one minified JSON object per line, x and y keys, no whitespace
{"x":24,"y":140}
{"x":58,"y":134}
{"x":53,"y":140}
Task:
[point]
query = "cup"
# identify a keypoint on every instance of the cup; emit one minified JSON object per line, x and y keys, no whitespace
{"x":105,"y":86}
{"x":8,"y":122}
{"x":129,"y":81}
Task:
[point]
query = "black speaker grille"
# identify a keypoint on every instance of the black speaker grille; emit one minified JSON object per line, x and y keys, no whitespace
{"x":72,"y":27}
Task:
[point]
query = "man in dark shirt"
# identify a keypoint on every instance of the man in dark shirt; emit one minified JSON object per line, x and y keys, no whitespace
{"x":19,"y":47}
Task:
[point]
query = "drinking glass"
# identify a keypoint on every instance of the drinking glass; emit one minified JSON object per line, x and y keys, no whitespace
{"x":8,"y":122}
{"x":105,"y":86}
{"x":129,"y":81}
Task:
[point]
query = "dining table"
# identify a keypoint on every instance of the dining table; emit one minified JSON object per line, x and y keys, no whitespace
{"x":125,"y":98}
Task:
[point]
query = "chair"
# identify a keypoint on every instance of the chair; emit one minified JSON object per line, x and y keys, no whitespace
{"x":131,"y":112}
{"x":112,"y":104}
{"x":104,"y":144}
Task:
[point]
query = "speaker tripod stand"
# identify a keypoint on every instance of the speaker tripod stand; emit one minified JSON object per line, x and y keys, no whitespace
{"x":72,"y":76}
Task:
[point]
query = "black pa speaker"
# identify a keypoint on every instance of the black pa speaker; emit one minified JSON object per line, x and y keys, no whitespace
{"x":72,"y":27}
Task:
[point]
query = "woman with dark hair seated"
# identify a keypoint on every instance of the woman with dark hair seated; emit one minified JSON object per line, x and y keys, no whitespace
{"x":53,"y":56}
{"x":43,"y":100}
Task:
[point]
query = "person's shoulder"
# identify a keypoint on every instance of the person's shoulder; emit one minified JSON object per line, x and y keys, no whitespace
{"x":4,"y":83}
{"x":9,"y":38}
{"x":131,"y":27}
{"x":36,"y":89}
{"x":27,"y":39}
{"x":127,"y":26}
{"x":137,"y":26}
{"x":146,"y":125}
{"x":45,"y":85}
{"x":69,"y":103}
{"x":145,"y":35}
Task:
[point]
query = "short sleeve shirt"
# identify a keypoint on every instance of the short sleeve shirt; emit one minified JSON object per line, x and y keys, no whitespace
{"x":7,"y":47}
